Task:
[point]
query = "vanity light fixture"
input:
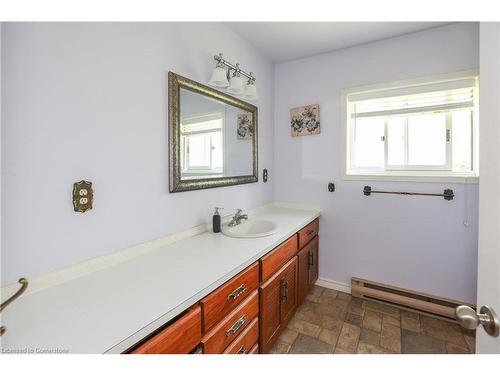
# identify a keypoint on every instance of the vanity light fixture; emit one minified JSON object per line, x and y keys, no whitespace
{"x":236,"y":82}
{"x":219,"y":76}
{"x":251,"y":90}
{"x":227,"y":75}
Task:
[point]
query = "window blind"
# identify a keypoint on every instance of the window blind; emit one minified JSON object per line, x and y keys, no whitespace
{"x":202,"y":123}
{"x":435,"y":97}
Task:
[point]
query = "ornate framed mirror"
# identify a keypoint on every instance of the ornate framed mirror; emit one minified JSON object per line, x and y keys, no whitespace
{"x":213,"y":138}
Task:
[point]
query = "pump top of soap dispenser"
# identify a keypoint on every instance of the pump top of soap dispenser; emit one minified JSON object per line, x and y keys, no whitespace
{"x":217,"y":210}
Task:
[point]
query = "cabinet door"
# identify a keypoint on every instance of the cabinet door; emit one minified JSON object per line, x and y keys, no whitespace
{"x":313,"y":247}
{"x":269,"y":311}
{"x":288,"y":281}
{"x":303,"y":275}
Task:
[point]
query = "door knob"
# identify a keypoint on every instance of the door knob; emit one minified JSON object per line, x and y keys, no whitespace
{"x":470,"y":319}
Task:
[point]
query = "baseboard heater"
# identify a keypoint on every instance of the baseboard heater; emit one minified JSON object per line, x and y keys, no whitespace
{"x":438,"y":307}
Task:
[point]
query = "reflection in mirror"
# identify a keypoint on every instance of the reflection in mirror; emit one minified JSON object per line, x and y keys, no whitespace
{"x":212,"y":137}
{"x":215,"y":138}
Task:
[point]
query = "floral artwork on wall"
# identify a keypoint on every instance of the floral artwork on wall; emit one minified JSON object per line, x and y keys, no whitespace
{"x":305,"y":120}
{"x":244,"y":126}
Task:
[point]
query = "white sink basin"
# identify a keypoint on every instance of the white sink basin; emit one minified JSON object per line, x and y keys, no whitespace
{"x":250,"y":229}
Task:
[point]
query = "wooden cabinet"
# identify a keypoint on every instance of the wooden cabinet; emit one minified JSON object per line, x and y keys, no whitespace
{"x":313,"y":260}
{"x":307,"y":233}
{"x":273,"y":261}
{"x":180,"y":337}
{"x":224,"y":333}
{"x":303,"y":275}
{"x":240,"y":316}
{"x":219,"y":303}
{"x":307,"y":268}
{"x":278,"y":301}
{"x":247,"y":340}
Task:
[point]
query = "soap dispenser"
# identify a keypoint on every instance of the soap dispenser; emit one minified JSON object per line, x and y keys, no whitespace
{"x":216,"y":220}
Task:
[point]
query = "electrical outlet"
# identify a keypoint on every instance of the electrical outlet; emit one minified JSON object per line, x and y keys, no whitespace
{"x":83,"y":196}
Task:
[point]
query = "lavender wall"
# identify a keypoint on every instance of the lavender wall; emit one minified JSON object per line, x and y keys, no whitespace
{"x":89,"y":101}
{"x":418,"y":243}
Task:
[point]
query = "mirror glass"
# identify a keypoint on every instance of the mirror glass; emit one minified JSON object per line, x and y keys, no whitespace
{"x":215,"y":138}
{"x":212,"y":137}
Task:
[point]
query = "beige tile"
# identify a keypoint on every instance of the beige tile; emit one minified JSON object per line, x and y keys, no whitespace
{"x":417,"y":343}
{"x":332,"y":323}
{"x":372,"y":320}
{"x":364,"y":348}
{"x":409,"y":314}
{"x":455,"y":349}
{"x":315,"y":293}
{"x":369,"y":337}
{"x":471,"y":343}
{"x":438,"y":323}
{"x":344,"y":296}
{"x":328,"y":296}
{"x":381,"y":308}
{"x":348,"y":339}
{"x":390,"y":338}
{"x":280,"y":348}
{"x":301,"y":326}
{"x":409,"y":323}
{"x":332,"y":293}
{"x":308,"y":345}
{"x":356,"y":306}
{"x":329,"y":336}
{"x":310,"y":314}
{"x":337,"y":309}
{"x":354,"y":319}
{"x":288,"y":336}
{"x":341,"y":351}
{"x":442,"y":330}
{"x":387,"y":319}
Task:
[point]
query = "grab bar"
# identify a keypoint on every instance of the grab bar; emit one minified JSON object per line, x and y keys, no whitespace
{"x":447,"y":194}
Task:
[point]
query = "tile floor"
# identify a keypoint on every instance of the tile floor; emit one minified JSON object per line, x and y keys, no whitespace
{"x":334,"y":322}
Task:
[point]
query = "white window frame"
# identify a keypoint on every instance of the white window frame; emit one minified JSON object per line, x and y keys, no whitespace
{"x":219,"y":115}
{"x":413,"y":173}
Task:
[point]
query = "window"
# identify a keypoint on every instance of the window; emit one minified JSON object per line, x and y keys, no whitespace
{"x":202,"y":145}
{"x":426,"y":128}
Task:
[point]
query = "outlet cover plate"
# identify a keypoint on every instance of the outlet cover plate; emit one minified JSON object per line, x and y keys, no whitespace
{"x":83,"y":196}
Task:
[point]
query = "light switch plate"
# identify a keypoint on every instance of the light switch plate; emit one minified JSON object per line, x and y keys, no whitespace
{"x":83,"y":196}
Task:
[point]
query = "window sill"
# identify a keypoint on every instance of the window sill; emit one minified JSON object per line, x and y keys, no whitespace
{"x":457,"y":179}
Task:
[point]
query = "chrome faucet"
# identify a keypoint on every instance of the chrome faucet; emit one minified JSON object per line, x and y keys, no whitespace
{"x":237,"y":218}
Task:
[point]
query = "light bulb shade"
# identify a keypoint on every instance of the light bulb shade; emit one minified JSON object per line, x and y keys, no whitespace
{"x":219,"y":78}
{"x":236,"y":86}
{"x":250,"y":91}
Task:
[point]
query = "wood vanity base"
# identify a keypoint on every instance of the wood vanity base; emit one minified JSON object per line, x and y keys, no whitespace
{"x":247,"y":314}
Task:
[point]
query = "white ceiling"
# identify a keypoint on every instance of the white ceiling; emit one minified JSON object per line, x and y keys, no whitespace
{"x":284,"y":41}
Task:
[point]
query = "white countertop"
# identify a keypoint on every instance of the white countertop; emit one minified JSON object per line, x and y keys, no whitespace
{"x":109,"y":310}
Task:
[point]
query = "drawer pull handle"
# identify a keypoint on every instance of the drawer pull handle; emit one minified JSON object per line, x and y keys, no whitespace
{"x":236,"y":326}
{"x":310,"y":261}
{"x":237,"y":292}
{"x":309,"y":232}
{"x":284,"y":291}
{"x":242,"y":350}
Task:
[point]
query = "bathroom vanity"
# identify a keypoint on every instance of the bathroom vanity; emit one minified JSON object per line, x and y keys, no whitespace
{"x":184,"y":292}
{"x":246,"y":314}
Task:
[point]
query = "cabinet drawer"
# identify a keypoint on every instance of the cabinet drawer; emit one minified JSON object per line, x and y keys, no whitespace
{"x":307,"y":233}
{"x":273,"y":261}
{"x":218,"y":304}
{"x":246,"y":341}
{"x":179,"y":337}
{"x":231,"y":326}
